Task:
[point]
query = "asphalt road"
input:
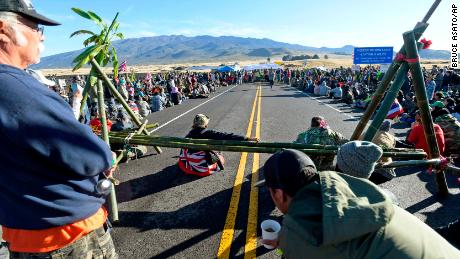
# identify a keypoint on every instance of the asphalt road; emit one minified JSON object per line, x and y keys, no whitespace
{"x":166,"y":214}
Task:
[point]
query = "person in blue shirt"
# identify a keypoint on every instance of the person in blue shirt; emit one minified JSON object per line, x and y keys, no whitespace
{"x":50,"y":202}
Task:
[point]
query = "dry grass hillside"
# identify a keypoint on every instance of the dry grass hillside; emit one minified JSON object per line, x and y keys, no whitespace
{"x":328,"y":63}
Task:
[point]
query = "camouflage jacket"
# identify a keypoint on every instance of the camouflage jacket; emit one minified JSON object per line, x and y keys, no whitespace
{"x":451,"y":128}
{"x":322,"y":136}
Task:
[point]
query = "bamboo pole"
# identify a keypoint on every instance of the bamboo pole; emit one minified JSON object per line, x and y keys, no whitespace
{"x":410,"y":163}
{"x":242,"y":147}
{"x":142,"y":127}
{"x":253,"y":144}
{"x":85,"y":94}
{"x":120,"y":99}
{"x":387,"y":102}
{"x":148,"y":126}
{"x":105,"y":135}
{"x":384,"y":84}
{"x":422,"y":103}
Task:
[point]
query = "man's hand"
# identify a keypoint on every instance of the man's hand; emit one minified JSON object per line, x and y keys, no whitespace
{"x":109,"y":172}
{"x":273,"y":243}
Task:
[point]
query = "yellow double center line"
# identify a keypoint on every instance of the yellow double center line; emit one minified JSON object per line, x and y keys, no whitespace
{"x":227,"y":233}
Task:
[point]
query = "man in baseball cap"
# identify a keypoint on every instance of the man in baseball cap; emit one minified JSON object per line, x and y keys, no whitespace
{"x":50,"y":205}
{"x":332,"y":215}
{"x":27,"y":10}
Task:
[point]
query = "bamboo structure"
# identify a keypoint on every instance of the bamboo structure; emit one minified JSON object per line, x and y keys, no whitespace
{"x":246,"y":146}
{"x":388,"y":101}
{"x":101,"y":106}
{"x":422,"y":103}
{"x":105,"y":135}
{"x":384,"y":84}
{"x":117,"y":95}
{"x":407,"y":59}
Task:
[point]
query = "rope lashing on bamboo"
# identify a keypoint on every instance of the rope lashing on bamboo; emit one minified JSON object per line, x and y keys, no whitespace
{"x":129,"y":137}
{"x":441,"y":166}
{"x":401,"y":58}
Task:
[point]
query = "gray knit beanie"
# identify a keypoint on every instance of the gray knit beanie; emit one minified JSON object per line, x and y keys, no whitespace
{"x":357,"y":158}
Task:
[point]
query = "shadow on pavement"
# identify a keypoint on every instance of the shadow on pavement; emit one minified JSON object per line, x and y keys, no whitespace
{"x":449,"y":209}
{"x":169,"y":177}
{"x":193,"y":216}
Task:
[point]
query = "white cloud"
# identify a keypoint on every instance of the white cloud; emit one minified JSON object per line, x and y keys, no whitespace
{"x":146,"y":33}
{"x":217,"y":28}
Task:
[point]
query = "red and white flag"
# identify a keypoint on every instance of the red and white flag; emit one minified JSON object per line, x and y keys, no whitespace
{"x":395,"y":110}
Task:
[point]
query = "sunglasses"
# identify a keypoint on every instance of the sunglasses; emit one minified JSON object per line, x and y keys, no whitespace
{"x":39,"y":28}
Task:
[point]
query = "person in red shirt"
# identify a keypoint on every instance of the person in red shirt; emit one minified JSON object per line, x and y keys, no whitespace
{"x":417,"y":135}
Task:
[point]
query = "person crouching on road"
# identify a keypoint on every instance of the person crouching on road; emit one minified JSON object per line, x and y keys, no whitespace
{"x":204,"y":163}
{"x":333,"y":215}
{"x":50,"y":206}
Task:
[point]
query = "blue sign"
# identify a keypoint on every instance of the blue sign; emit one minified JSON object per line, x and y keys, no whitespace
{"x":373,"y":55}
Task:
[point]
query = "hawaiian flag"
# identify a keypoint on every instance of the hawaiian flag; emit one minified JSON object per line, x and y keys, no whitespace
{"x":122,"y":67}
{"x":395,"y":110}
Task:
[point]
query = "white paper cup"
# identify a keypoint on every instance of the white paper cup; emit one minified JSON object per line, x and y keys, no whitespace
{"x":270,"y":224}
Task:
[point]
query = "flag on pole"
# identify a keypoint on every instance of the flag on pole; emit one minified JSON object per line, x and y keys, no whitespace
{"x":122,"y":67}
{"x":395,"y":110}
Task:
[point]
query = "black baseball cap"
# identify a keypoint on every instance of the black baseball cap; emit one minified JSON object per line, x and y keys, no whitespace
{"x":25,"y":8}
{"x":286,"y":170}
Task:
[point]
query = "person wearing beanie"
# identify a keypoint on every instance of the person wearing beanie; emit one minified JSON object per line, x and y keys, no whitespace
{"x":358,"y":158}
{"x":335,"y":216}
{"x":383,"y":138}
{"x":204,"y":163}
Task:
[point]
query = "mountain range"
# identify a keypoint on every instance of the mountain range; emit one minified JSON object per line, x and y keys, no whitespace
{"x":179,"y":49}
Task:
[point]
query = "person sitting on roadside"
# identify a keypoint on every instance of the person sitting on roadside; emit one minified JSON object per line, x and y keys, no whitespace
{"x":456,"y":112}
{"x":142,"y":106}
{"x":158,"y":103}
{"x":430,"y":88}
{"x":438,"y":96}
{"x":324,"y":89}
{"x":409,"y":105}
{"x":334,"y":215}
{"x":122,"y":122}
{"x":204,"y":163}
{"x":417,"y":135}
{"x":95,"y":122}
{"x":362,"y":101}
{"x":438,"y":108}
{"x":175,"y":95}
{"x":451,"y":128}
{"x":449,"y":104}
{"x":336,"y":93}
{"x":320,"y":133}
{"x":133,"y":106}
{"x":347,"y":95}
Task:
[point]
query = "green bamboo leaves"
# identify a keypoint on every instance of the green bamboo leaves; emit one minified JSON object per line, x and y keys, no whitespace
{"x":99,"y":43}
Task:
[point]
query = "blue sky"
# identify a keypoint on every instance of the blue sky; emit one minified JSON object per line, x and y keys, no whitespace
{"x":330,"y":23}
